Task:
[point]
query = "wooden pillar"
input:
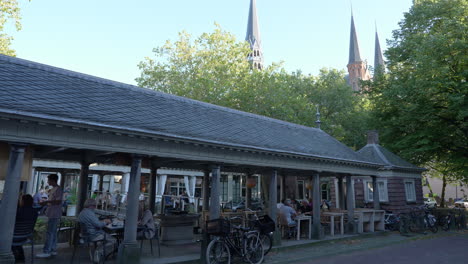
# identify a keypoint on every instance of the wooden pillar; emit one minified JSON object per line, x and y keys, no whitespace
{"x":283,"y":187}
{"x":152,"y":195}
{"x":376,"y":195}
{"x":101,"y":182}
{"x":310,"y":189}
{"x":214,"y":198}
{"x":341,"y":196}
{"x":351,"y":226}
{"x":129,"y":251}
{"x":83,"y":184}
{"x":317,"y":231}
{"x":206,"y":190}
{"x":10,"y":201}
{"x":248,"y":191}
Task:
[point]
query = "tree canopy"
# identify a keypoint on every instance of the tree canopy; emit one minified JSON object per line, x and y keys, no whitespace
{"x":420,"y":104}
{"x":9,"y":11}
{"x":213,"y":68}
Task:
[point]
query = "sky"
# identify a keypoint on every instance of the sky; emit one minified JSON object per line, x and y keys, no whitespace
{"x":108,"y":38}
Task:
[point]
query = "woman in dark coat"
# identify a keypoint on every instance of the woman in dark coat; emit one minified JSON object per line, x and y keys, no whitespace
{"x":24,"y":213}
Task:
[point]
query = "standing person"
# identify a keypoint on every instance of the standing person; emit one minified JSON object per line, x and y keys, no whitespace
{"x":53,"y":212}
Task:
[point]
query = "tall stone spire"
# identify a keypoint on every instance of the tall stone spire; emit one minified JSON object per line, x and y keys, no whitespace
{"x":357,"y":69}
{"x":253,"y":38}
{"x":378,"y":58}
{"x":354,"y":55}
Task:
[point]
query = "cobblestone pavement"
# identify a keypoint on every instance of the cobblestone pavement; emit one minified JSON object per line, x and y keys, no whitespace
{"x":443,"y":247}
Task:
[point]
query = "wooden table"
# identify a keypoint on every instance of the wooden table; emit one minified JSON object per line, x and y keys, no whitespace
{"x":332,"y":221}
{"x":300,"y":218}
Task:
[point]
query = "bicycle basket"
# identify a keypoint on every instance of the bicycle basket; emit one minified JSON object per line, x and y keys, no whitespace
{"x":218,"y":227}
{"x":266,"y":224}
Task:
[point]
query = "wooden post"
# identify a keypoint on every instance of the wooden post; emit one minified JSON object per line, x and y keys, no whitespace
{"x":152,"y":196}
{"x":129,"y":251}
{"x":10,"y":201}
{"x":351,"y":226}
{"x":317,"y":231}
{"x":375,"y":193}
{"x":215,"y":186}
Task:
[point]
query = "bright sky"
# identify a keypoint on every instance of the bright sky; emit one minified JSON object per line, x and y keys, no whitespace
{"x":108,"y":38}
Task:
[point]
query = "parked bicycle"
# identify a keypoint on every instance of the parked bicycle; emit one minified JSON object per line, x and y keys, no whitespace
{"x":266,"y":226}
{"x":392,"y":221}
{"x":241,"y":241}
{"x":422,"y":220}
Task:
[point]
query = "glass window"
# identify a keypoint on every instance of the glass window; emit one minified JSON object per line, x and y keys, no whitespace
{"x":369,"y":190}
{"x":325,"y":189}
{"x":300,"y":190}
{"x":224,"y":188}
{"x":236,"y":189}
{"x":410,"y":191}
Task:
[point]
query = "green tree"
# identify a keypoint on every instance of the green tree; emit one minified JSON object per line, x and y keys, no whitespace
{"x":420,"y":104}
{"x":213,"y":68}
{"x":9,"y":11}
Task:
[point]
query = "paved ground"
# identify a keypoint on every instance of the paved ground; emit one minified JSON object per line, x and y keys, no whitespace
{"x":443,"y":247}
{"x":451,"y":247}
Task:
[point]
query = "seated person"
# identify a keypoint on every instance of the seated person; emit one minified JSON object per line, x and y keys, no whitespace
{"x":288,"y":212}
{"x":146,"y":222}
{"x":25,"y":213}
{"x":94,"y":227}
{"x":305,"y":207}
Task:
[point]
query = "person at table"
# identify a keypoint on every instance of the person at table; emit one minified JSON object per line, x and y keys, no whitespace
{"x":145,"y":222}
{"x":25,"y":213}
{"x":94,"y":227}
{"x":305,"y":207}
{"x":288,"y":212}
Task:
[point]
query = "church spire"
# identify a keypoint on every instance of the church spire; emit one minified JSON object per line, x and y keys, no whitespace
{"x":354,"y":55}
{"x":357,"y":68}
{"x":253,"y":38}
{"x":378,"y":58}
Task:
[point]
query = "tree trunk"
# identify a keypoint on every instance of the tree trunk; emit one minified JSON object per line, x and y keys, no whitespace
{"x":442,"y":196}
{"x":428,"y":185}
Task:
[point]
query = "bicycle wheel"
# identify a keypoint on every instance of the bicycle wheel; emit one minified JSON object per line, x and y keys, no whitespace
{"x":253,"y":248}
{"x":413,"y":226}
{"x":267,"y":243}
{"x":218,"y":252}
{"x":445,"y":223}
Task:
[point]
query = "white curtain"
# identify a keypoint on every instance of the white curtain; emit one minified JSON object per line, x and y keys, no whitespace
{"x":190,"y":182}
{"x":160,"y":186}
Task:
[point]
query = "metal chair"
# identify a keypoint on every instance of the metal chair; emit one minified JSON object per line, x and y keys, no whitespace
{"x":155,"y":237}
{"x":285,"y":226}
{"x":82,"y":238}
{"x":23,"y":234}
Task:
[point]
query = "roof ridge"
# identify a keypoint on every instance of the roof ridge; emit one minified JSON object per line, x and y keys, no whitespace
{"x":92,"y":78}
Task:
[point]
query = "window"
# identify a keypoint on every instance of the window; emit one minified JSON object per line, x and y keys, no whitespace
{"x":224,"y":188}
{"x":300,"y":190}
{"x":410,"y":191}
{"x":236,"y":189}
{"x":325,"y":191}
{"x":369,"y":190}
{"x":177,"y":187}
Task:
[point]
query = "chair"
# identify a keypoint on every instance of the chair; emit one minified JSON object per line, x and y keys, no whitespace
{"x":67,"y":226}
{"x":82,"y":238}
{"x":23,"y":234}
{"x":285,"y":226}
{"x":155,"y":237}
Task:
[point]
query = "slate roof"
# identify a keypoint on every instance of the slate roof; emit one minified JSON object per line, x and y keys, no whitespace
{"x":381,"y":155}
{"x":32,"y":89}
